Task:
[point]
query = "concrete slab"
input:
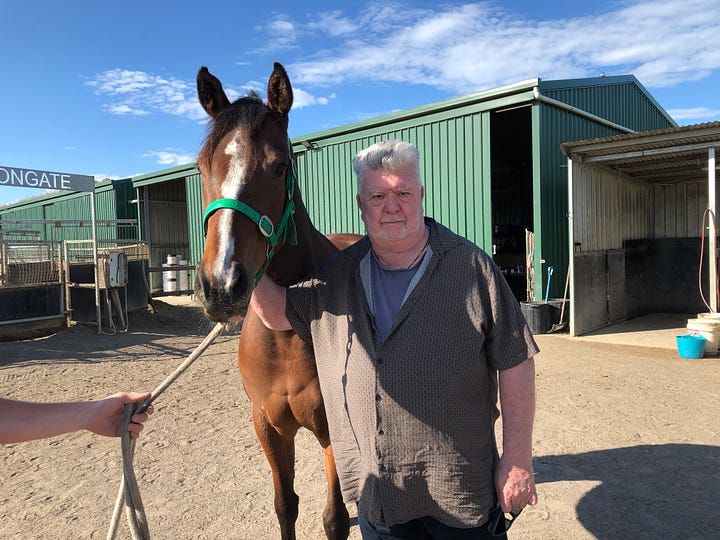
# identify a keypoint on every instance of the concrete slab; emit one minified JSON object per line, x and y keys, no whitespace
{"x":654,"y":330}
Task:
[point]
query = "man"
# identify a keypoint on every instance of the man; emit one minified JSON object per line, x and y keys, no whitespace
{"x":414,"y":328}
{"x":22,"y":421}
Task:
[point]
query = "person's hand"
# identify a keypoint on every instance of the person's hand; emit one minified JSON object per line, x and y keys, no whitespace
{"x":514,"y":485}
{"x":105,"y":415}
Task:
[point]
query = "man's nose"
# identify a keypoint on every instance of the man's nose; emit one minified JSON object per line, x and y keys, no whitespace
{"x":392,"y":202}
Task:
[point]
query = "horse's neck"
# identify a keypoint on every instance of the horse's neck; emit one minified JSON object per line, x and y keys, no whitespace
{"x":294,"y":262}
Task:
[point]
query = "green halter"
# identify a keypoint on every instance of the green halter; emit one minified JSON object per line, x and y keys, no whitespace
{"x":265,"y":225}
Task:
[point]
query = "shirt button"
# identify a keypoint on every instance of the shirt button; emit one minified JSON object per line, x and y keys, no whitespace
{"x":383,"y":468}
{"x":381,"y":432}
{"x":378,"y":397}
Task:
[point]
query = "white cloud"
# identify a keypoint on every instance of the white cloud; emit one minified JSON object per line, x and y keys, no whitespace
{"x":697,"y":114}
{"x":281,"y":32}
{"x":122,"y":108}
{"x":138,"y":93}
{"x":170,"y":157}
{"x":101,"y":177}
{"x":301,"y":99}
{"x":469,"y":47}
{"x":332,"y":23}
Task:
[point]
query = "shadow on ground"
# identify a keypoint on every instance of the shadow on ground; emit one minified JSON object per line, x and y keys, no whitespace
{"x":661,"y":491}
{"x":151,"y":333}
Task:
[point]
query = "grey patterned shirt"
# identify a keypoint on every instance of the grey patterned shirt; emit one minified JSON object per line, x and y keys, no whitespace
{"x":412,"y":417}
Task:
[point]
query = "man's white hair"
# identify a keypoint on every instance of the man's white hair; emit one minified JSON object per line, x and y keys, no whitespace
{"x":389,"y":156}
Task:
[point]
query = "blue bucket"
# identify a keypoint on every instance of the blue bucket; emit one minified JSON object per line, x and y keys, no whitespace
{"x":690,"y":346}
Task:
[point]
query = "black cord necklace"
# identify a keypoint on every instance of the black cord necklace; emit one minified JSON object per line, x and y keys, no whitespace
{"x":414,"y":261}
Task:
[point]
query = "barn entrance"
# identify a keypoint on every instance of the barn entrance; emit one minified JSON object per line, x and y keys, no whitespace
{"x":164,"y":219}
{"x":512,"y":195}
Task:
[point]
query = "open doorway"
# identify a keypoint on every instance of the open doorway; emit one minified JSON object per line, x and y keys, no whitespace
{"x":512,"y":189}
{"x":165,"y":229}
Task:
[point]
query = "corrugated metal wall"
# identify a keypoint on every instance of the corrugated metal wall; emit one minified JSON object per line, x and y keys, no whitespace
{"x":679,"y":208}
{"x":454,"y":153}
{"x":196,"y":233}
{"x":618,"y":99}
{"x":608,"y":208}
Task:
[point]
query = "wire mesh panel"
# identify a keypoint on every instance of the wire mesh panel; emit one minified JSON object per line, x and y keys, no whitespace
{"x":25,"y":263}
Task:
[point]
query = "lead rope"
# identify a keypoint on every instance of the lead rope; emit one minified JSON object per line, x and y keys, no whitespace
{"x":128,"y":491}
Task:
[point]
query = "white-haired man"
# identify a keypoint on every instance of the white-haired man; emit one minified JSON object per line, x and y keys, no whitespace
{"x":414,"y":331}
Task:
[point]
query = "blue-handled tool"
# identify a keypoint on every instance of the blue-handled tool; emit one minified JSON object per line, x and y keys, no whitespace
{"x":547,"y":289}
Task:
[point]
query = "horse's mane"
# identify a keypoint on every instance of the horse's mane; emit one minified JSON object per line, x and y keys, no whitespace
{"x":248,"y":111}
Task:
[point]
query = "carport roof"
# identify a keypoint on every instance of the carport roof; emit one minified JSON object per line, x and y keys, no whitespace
{"x":663,"y":155}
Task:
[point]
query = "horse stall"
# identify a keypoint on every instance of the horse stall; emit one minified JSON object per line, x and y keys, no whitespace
{"x":170,"y":214}
{"x":70,"y":233}
{"x":642,"y":224}
{"x":32,"y":292}
{"x":121,"y":281}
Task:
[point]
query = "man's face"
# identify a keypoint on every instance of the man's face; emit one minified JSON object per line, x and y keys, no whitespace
{"x":391,"y":205}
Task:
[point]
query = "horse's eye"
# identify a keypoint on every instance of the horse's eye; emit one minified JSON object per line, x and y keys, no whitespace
{"x":281,"y":169}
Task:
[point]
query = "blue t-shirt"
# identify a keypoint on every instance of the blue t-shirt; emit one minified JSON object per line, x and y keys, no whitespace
{"x":389,"y":288}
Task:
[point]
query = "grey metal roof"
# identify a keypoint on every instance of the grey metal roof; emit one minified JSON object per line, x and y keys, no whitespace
{"x":663,"y":155}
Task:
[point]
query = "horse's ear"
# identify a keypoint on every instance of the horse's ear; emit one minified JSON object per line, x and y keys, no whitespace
{"x":210,"y":92}
{"x":280,"y":94}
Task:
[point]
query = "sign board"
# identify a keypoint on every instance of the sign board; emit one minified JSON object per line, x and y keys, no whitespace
{"x":31,"y":178}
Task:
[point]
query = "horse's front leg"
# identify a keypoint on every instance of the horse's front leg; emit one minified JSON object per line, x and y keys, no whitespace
{"x":280,"y":453}
{"x":336,"y":520}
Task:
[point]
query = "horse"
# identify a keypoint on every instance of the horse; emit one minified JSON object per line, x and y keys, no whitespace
{"x":256,"y":223}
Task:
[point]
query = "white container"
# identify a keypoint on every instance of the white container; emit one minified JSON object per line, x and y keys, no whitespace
{"x":169,"y":279}
{"x":183,"y":280}
{"x":710,"y":330}
{"x":172,"y":260}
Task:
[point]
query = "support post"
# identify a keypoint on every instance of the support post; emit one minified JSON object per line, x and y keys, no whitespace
{"x":712,"y":234}
{"x":98,"y":311}
{"x":571,"y":247}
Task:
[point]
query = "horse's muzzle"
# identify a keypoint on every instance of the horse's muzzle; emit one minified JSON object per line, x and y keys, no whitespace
{"x":225,"y":300}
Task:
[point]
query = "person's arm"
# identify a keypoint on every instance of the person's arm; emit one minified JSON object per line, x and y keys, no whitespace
{"x":268,"y":301}
{"x":514,"y":480}
{"x":22,"y":421}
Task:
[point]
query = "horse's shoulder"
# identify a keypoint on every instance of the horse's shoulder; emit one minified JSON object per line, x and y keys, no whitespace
{"x":343,"y":240}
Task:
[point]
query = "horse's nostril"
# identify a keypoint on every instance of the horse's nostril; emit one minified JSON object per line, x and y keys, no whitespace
{"x":223,"y":298}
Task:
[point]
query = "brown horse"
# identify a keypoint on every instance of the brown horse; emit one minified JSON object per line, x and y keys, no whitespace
{"x":256,"y":222}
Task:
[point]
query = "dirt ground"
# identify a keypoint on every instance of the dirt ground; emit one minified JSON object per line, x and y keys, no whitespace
{"x":627,"y":441}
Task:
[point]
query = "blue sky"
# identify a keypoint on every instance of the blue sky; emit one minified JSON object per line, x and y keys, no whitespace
{"x":108,"y":88}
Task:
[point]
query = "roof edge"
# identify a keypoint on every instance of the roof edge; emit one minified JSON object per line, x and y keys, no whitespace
{"x":430,"y":108}
{"x":146,"y":178}
{"x":604,"y":81}
{"x":571,"y":148}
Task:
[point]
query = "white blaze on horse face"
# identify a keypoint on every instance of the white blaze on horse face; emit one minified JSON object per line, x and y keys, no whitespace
{"x":230,"y":190}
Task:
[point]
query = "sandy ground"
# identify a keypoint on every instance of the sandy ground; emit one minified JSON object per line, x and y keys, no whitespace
{"x":627,"y":441}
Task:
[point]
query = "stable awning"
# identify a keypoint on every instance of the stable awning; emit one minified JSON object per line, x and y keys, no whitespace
{"x":672,"y":155}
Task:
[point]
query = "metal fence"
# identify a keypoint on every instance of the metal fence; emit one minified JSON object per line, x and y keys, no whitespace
{"x":30,"y":262}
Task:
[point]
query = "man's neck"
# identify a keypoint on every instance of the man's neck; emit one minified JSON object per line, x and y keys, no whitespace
{"x":394,"y":257}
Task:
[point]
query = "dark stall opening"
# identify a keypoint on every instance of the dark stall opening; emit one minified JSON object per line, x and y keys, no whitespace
{"x":512,"y":195}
